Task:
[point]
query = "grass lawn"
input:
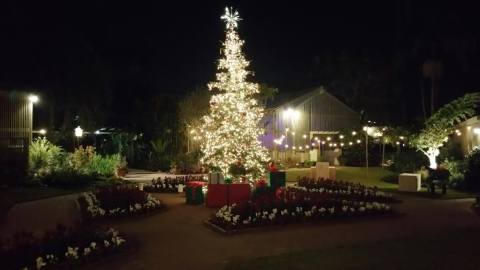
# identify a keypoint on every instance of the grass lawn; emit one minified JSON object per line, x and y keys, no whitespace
{"x":375,"y":177}
{"x":451,"y":250}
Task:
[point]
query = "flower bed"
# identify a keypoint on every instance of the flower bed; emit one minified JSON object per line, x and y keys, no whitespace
{"x":312,"y":201}
{"x":346,"y":190}
{"x":60,"y":249}
{"x":170,"y":185}
{"x":117,"y":201}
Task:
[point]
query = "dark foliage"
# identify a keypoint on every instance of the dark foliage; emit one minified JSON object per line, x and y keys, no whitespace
{"x":472,"y":174}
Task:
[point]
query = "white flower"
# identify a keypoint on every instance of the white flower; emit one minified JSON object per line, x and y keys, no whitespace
{"x":274,"y":210}
{"x":236,"y":218}
{"x":72,"y":252}
{"x":361,"y":209}
{"x":86,"y":251}
{"x":93,"y":245}
{"x":322,"y":210}
{"x":106,"y":243}
{"x":40,"y":263}
{"x":352,"y":209}
{"x":332,"y":210}
{"x":344,"y":208}
{"x":117,"y":240}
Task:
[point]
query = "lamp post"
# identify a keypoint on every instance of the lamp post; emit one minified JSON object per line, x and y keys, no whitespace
{"x":78,"y":134}
{"x":365,"y":128}
{"x":32,"y":100}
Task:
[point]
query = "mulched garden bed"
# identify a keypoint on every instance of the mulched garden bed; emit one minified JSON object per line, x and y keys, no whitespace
{"x":334,"y":221}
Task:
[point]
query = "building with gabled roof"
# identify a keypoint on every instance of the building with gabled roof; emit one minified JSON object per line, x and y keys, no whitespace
{"x":298,"y":121}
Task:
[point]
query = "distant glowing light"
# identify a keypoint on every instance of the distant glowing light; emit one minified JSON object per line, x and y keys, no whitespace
{"x":323,"y":142}
{"x":359,"y":141}
{"x":328,"y":138}
{"x":365,"y":128}
{"x":350,"y":143}
{"x":342,"y":144}
{"x":43,"y":131}
{"x":341,"y":136}
{"x":304,"y":136}
{"x":476,"y":130}
{"x":354,"y":133}
{"x":33,"y":98}
{"x":78,"y":132}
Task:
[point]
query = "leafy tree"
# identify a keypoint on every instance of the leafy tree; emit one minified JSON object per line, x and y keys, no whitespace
{"x":442,"y":123}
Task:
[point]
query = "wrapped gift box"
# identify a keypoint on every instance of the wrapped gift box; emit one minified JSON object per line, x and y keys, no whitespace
{"x":194,"y":192}
{"x":276,"y":179}
{"x":216,"y":178}
{"x":219,"y":195}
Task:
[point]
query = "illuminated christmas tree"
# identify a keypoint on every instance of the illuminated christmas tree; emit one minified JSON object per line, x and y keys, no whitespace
{"x":231,"y":130}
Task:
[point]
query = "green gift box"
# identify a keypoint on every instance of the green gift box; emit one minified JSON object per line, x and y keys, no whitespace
{"x":276,"y":179}
{"x":194,"y":195}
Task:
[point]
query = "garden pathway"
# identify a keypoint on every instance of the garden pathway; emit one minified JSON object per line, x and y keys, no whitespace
{"x":41,"y":215}
{"x":176,"y":239}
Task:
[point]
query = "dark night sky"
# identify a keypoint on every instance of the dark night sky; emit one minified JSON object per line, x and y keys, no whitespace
{"x":160,"y":47}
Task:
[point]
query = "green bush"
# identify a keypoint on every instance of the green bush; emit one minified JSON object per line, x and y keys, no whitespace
{"x":457,"y":170}
{"x":407,"y":160}
{"x":187,"y":163}
{"x":355,"y":155}
{"x":472,"y":173}
{"x":43,"y":157}
{"x":52,"y":166}
{"x":104,"y":165}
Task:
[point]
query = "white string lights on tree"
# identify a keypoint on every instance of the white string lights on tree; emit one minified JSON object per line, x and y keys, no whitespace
{"x":231,"y":129}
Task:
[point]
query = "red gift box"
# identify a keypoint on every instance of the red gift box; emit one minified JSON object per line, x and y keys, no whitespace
{"x":219,"y":195}
{"x":195,"y":184}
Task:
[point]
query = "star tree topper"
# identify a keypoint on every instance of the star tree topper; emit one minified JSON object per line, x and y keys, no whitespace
{"x":231,"y":18}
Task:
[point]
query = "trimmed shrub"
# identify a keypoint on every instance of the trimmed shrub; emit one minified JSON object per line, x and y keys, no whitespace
{"x":43,"y":157}
{"x":472,"y":173}
{"x":408,"y":160}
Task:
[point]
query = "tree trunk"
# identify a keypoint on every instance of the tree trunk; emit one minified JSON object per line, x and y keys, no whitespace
{"x":432,"y":154}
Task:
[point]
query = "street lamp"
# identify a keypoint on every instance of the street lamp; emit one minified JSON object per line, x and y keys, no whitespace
{"x":78,"y":132}
{"x":33,"y":98}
